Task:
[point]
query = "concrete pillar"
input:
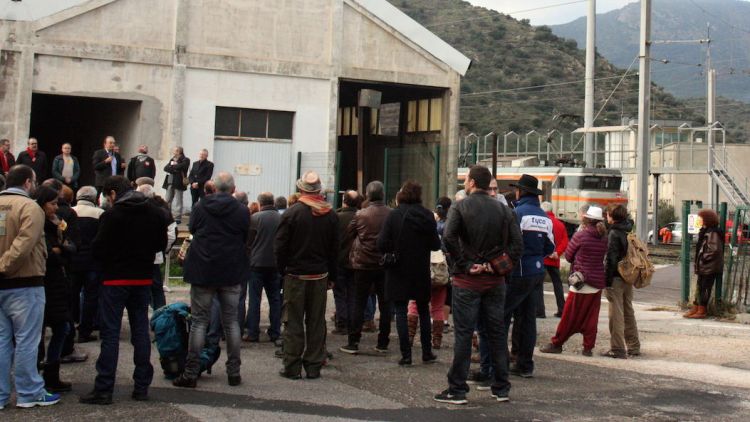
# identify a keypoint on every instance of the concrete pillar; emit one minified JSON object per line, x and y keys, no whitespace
{"x":23,"y":99}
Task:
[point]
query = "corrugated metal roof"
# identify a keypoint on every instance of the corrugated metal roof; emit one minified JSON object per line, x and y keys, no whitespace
{"x":417,"y":33}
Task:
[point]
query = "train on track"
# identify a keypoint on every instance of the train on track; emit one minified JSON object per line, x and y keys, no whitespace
{"x":567,"y":188}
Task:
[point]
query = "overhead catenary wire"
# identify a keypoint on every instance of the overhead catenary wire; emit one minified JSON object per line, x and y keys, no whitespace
{"x":534,"y":9}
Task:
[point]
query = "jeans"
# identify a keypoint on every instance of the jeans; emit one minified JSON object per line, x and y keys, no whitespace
{"x":21,"y":317}
{"x":402,"y":326}
{"x":267,"y":279}
{"x":343,"y":296}
{"x":468,"y":307}
{"x":201,"y":298}
{"x":305,"y":325}
{"x":60,"y":331}
{"x":90,"y":302}
{"x":176,"y":195}
{"x":364,"y":280}
{"x":521,"y":299}
{"x":157,"y":289}
{"x":485,"y":356}
{"x":113,"y":300}
{"x":557,"y":285}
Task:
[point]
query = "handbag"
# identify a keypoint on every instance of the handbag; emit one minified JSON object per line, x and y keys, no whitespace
{"x":185,"y":180}
{"x":576,"y":280}
{"x":502,"y":264}
{"x":390,"y":259}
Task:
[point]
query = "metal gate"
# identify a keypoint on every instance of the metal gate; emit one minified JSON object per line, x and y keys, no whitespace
{"x":257,"y":166}
{"x":737,"y":270}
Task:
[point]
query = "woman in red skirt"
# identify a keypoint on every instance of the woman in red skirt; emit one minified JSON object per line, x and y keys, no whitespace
{"x":585,"y":252}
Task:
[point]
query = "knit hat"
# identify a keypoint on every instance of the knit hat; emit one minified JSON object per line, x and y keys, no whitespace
{"x":309,"y":183}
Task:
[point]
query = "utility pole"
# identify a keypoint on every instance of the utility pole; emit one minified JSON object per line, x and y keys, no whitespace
{"x":588,"y":114}
{"x":713,"y":196}
{"x":643,"y":162}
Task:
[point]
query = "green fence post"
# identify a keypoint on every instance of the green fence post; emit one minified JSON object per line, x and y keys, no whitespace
{"x":337,"y":184}
{"x":437,"y":173}
{"x":723,"y":226}
{"x":474,"y":154}
{"x":385,"y":175}
{"x":299,"y":164}
{"x":685,"y":256}
{"x":733,"y":244}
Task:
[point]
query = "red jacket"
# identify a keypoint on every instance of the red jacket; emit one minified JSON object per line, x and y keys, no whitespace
{"x":561,"y":240}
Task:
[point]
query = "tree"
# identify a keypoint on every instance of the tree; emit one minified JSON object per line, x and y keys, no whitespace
{"x":666,"y":213}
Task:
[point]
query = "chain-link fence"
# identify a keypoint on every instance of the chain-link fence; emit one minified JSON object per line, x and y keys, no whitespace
{"x":737,"y":270}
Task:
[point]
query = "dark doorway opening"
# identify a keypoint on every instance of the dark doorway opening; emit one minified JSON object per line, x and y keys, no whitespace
{"x":83,"y":122}
{"x":398,"y":139}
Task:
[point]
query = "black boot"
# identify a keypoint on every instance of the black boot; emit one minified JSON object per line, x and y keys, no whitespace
{"x":52,"y":381}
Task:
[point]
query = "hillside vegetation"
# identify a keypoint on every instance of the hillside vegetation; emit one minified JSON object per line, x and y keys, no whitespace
{"x":522,"y":77}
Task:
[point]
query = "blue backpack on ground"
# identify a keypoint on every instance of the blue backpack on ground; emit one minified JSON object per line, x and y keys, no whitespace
{"x":171,"y":327}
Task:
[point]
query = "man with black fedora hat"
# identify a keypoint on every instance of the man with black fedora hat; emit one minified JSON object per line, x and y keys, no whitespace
{"x":528,"y":275}
{"x":306,"y":250}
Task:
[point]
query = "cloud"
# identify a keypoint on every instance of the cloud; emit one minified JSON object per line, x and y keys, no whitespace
{"x":548,"y":16}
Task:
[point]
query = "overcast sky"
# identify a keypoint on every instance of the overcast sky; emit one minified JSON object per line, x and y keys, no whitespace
{"x":551,"y":15}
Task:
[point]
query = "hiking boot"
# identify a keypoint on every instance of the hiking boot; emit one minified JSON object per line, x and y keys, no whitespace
{"x":351,"y":349}
{"x":185,"y":382}
{"x":96,"y":397}
{"x":691,"y":312}
{"x":437,"y":334}
{"x":451,"y":398}
{"x":75,"y":357}
{"x":551,"y":348}
{"x":614,"y":355}
{"x":234,"y":380}
{"x":700,"y":313}
{"x":47,"y":399}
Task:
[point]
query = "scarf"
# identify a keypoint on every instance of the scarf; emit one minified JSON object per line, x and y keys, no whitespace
{"x":31,"y":153}
{"x":318,"y":204}
{"x":4,"y":162}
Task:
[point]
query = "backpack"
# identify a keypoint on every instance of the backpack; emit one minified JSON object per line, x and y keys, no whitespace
{"x":171,"y":327}
{"x":439,"y":269}
{"x":636,"y":268}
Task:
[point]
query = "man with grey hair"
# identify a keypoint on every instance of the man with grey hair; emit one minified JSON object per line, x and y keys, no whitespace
{"x":175,"y":182}
{"x":200,"y":173}
{"x":141,"y":165}
{"x":157,"y":286}
{"x":306,"y":248}
{"x":369,"y":274}
{"x":263,"y":272}
{"x":215,"y":266}
{"x":84,"y":269}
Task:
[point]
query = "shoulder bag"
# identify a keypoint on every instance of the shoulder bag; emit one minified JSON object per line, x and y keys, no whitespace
{"x":390,"y":259}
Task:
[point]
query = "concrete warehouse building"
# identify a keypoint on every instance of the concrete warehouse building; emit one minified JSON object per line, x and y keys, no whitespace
{"x":266,"y":86}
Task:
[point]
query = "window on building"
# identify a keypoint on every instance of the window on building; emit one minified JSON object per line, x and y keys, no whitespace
{"x":425,"y":115}
{"x":348,"y":122}
{"x":253,"y":124}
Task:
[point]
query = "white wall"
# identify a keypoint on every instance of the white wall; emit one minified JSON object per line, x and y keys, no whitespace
{"x":309,"y":99}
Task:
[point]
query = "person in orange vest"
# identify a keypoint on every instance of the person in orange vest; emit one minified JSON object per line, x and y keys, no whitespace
{"x":666,"y":235}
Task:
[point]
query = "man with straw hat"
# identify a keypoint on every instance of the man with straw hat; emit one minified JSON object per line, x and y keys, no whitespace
{"x":306,"y":250}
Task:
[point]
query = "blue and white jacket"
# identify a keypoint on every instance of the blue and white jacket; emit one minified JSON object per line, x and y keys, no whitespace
{"x":538,"y":239}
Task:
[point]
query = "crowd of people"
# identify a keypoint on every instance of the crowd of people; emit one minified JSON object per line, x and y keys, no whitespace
{"x":482,"y":258}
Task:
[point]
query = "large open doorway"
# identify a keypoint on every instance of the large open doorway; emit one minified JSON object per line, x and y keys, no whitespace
{"x":397,"y":141}
{"x":83,"y":122}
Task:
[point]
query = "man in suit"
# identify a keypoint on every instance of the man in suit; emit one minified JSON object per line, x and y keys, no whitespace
{"x":200,"y":173}
{"x":107,"y":163}
{"x":35,"y":159}
{"x":141,"y":165}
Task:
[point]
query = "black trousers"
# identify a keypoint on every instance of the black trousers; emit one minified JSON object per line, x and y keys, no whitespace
{"x":197,"y":194}
{"x":705,"y":285}
{"x":364,"y":282}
